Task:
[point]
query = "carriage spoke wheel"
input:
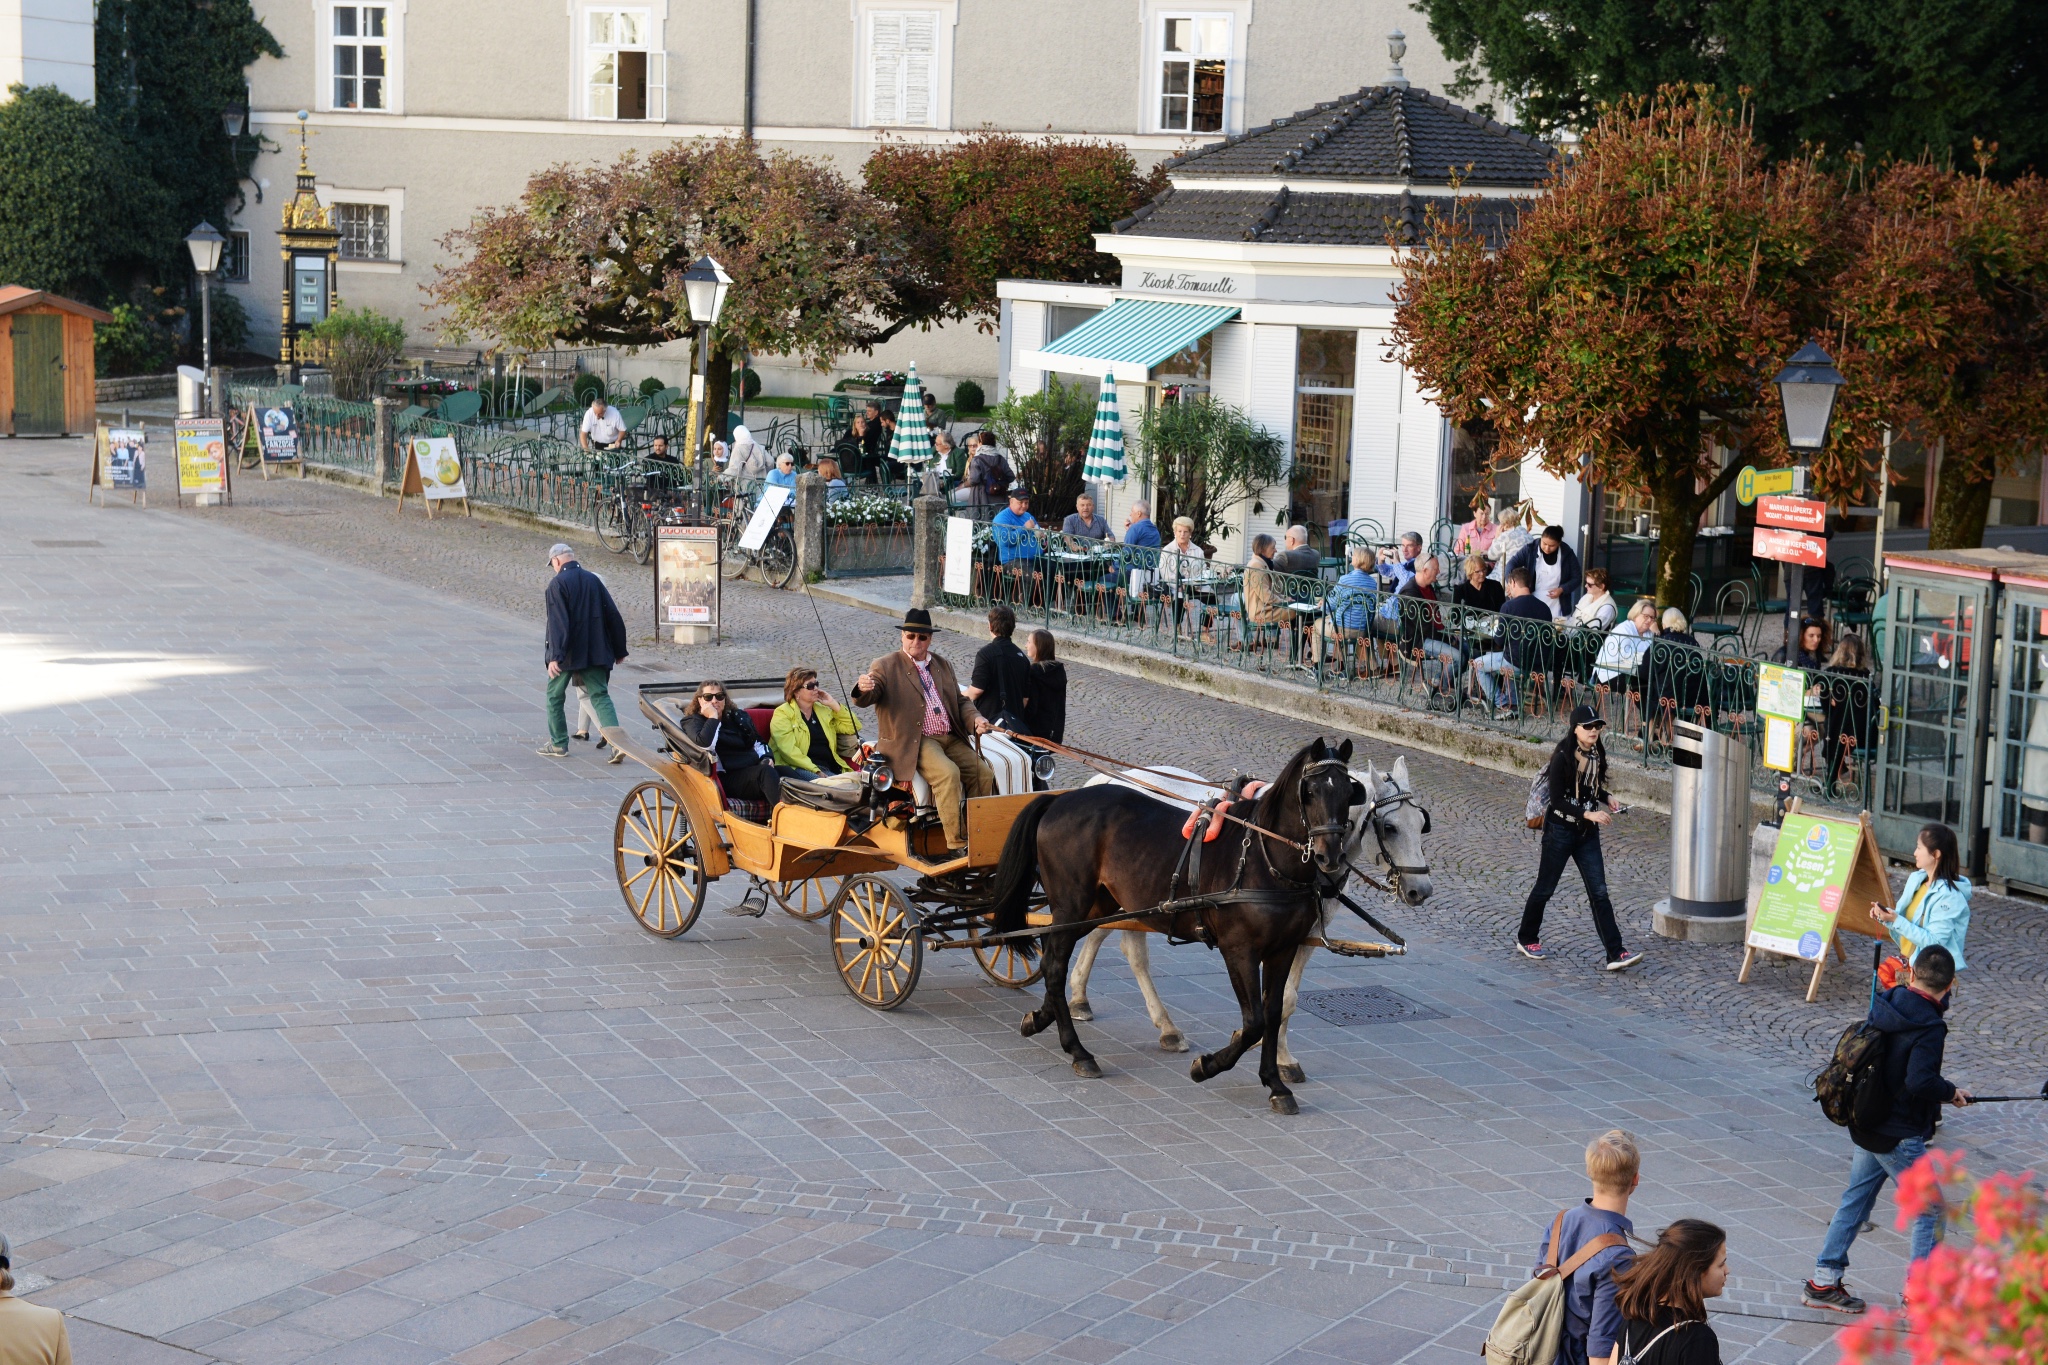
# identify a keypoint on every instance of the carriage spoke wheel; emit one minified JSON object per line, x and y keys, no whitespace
{"x":1007,"y":964}
{"x":876,"y":942}
{"x":808,"y":899}
{"x":661,"y":873}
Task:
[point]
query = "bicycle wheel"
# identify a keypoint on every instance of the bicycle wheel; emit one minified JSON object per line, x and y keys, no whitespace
{"x":613,"y":528}
{"x":643,"y":537}
{"x":778,"y":558}
{"x":732,"y":560}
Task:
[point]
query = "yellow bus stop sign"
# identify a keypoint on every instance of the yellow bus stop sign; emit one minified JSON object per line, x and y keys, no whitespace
{"x":1753,"y":483}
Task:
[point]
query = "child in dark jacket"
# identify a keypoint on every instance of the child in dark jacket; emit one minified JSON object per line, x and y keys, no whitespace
{"x":1910,"y":1017}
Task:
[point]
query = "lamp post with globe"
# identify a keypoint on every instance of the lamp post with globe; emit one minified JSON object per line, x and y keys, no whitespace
{"x":704,"y":288}
{"x":1807,"y":388}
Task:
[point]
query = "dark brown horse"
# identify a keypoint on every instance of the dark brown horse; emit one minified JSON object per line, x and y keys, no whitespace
{"x":1109,"y":851}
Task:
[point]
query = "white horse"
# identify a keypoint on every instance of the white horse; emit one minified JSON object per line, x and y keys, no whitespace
{"x":1389,"y":815}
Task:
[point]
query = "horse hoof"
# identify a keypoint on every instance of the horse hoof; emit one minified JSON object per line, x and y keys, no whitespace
{"x":1032,"y":1024}
{"x":1172,"y":1042}
{"x":1086,"y":1068}
{"x":1199,"y":1069}
{"x":1078,"y":1011}
{"x":1292,"y":1073}
{"x":1285,"y":1104}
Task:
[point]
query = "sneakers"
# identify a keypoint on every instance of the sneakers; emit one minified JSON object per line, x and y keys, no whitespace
{"x":553,"y":751}
{"x":1835,"y":1298}
{"x":1533,"y":950}
{"x":1624,"y":962}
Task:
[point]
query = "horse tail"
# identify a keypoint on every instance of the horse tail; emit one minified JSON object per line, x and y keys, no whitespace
{"x":1018,"y":867}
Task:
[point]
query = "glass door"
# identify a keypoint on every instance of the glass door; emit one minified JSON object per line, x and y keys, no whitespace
{"x":2018,"y":819}
{"x":1936,"y":694}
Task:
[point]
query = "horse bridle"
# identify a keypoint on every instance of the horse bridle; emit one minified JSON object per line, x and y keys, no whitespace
{"x":1384,"y":858}
{"x":1338,"y":827}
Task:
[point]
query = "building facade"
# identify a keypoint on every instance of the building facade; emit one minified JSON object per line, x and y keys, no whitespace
{"x":423,"y":114}
{"x":47,"y":42}
{"x":1265,"y":277}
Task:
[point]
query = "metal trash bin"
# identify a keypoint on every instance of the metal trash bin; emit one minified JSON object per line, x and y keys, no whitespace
{"x":1710,"y":809}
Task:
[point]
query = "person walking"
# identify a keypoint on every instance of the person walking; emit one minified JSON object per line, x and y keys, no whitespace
{"x":925,"y":728}
{"x":1910,"y":1017}
{"x":1592,"y":1321}
{"x":1000,"y":686}
{"x":1662,"y":1298}
{"x":1579,"y":806}
{"x":1048,"y":710}
{"x":809,"y":734}
{"x":1933,"y":909}
{"x":30,"y":1334}
{"x":586,"y":636}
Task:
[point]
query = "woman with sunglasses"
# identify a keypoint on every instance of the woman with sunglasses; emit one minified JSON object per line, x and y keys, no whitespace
{"x":809,"y":730}
{"x":744,"y":768}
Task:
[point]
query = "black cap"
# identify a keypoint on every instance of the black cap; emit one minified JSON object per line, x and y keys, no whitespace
{"x":1586,"y":715}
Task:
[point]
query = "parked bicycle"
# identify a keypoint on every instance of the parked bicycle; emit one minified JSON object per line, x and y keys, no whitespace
{"x":777,"y":556}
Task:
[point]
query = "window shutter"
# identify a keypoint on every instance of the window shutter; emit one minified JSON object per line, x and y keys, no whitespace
{"x":657,"y":87}
{"x":918,"y":67}
{"x":885,"y":72}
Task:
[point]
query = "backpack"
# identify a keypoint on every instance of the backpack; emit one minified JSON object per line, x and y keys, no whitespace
{"x":1538,"y":804}
{"x":1530,"y":1326}
{"x":996,"y":474}
{"x":1631,"y":1356}
{"x":1851,"y":1088}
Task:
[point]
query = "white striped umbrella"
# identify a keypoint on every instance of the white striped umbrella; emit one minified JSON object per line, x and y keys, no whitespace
{"x":913,"y":443}
{"x":1105,"y":461}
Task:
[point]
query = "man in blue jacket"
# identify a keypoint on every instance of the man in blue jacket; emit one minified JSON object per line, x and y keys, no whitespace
{"x":586,"y":636}
{"x":1910,"y":1017}
{"x":1554,"y":568}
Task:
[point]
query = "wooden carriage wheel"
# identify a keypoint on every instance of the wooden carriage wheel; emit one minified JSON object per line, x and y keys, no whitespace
{"x":1007,"y":964}
{"x":808,"y":899}
{"x":661,"y":874}
{"x":877,"y":943}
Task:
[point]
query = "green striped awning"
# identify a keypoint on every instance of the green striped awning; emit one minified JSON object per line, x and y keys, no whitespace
{"x":1129,"y":337}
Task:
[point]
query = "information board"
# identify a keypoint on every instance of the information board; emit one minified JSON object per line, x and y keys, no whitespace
{"x":433,"y":472}
{"x":1781,"y":691}
{"x":277,"y":434}
{"x":1789,"y":547}
{"x":1793,"y":514}
{"x":118,"y":463}
{"x":686,"y":575}
{"x":1753,"y":483}
{"x":774,"y":497}
{"x":1824,"y":876}
{"x":202,"y":456}
{"x":959,"y":575}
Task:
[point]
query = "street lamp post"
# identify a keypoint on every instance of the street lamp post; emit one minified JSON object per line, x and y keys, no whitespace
{"x":1807,"y":387}
{"x":704,"y":288}
{"x":205,"y":242}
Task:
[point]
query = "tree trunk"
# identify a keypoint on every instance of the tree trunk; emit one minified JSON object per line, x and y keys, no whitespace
{"x":1956,"y":521}
{"x":1678,"y":523}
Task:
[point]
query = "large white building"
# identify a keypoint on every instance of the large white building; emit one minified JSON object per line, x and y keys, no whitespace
{"x":1265,"y":275}
{"x":47,"y":42}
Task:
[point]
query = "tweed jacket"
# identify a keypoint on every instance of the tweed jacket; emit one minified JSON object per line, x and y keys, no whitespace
{"x":898,"y":700}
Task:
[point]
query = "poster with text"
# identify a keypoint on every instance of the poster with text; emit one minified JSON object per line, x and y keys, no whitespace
{"x":686,"y":575}
{"x":1803,"y":888}
{"x":202,"y":455}
{"x":278,"y":430}
{"x":440,"y":466}
{"x":958,"y":579}
{"x":125,"y":460}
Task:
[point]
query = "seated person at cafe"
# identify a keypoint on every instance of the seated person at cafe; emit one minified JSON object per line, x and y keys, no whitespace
{"x":784,"y":473}
{"x":1084,"y":523}
{"x":1180,"y":559}
{"x":1298,"y":558}
{"x":1265,"y":604}
{"x":1525,"y":643}
{"x":1422,"y":627}
{"x":835,"y":482}
{"x":810,"y":734}
{"x":1349,"y":614}
{"x":1479,"y":591}
{"x":1016,"y":530}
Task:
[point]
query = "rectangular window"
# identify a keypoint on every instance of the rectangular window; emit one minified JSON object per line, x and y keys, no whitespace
{"x":1326,"y":377}
{"x":365,"y":231}
{"x":903,"y":68}
{"x":309,"y":289}
{"x":1062,"y":318}
{"x":1194,"y":72}
{"x":624,"y":70}
{"x":361,"y":57}
{"x":234,"y":258}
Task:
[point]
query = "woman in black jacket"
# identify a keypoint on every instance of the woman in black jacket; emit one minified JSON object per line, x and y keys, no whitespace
{"x":1048,"y":713}
{"x":716,"y":724}
{"x":1663,"y":1296}
{"x":1579,"y":805}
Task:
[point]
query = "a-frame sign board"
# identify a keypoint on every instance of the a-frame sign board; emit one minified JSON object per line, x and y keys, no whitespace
{"x":1825,"y":876}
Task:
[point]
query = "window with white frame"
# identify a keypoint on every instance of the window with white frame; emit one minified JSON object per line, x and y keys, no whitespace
{"x":625,"y":71}
{"x":1194,"y":71}
{"x":903,"y":68}
{"x":365,"y":231}
{"x":359,"y":56}
{"x":234,"y":258}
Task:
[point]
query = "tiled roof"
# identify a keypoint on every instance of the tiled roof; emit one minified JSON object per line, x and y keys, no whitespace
{"x":1380,"y":133}
{"x":1329,"y":219}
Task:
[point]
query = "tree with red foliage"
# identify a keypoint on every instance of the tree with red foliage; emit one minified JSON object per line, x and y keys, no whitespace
{"x":1638,"y":309}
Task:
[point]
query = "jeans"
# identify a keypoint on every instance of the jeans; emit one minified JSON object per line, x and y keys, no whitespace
{"x":1486,"y":667}
{"x":596,"y":685}
{"x":1564,"y":843}
{"x":1448,"y":661}
{"x":1867,"y":1172}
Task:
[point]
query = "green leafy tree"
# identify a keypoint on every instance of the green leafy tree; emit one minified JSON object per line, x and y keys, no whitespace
{"x":59,"y":172}
{"x":1639,"y":307}
{"x":130,"y":343}
{"x":358,"y":345}
{"x":1202,"y":458}
{"x":1898,"y":78}
{"x":1046,"y":435}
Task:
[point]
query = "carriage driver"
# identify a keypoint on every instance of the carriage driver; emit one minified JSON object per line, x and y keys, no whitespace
{"x":924,"y":726}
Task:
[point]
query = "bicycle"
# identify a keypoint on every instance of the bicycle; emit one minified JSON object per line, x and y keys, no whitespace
{"x":777,"y":555}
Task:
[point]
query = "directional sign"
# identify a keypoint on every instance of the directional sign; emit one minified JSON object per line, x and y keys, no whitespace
{"x":1789,"y":547}
{"x":1794,"y":514}
{"x":1753,"y":483}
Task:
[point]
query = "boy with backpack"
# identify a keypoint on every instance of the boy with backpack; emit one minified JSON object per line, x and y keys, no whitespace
{"x":1889,"y":1107}
{"x":1582,"y":1249}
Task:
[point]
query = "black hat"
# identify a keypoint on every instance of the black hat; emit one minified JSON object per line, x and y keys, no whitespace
{"x":1586,"y":715}
{"x":917,"y":618}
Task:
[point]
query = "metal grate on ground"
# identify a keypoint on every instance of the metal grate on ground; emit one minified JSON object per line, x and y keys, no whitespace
{"x":1366,"y":1005}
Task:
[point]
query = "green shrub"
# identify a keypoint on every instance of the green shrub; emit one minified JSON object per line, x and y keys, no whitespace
{"x":750,"y":384}
{"x":587,"y":387}
{"x":968,"y":397}
{"x":131,"y":344}
{"x":650,"y":386}
{"x":359,"y":345}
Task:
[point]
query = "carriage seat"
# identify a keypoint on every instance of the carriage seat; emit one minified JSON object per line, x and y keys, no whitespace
{"x":835,"y":796}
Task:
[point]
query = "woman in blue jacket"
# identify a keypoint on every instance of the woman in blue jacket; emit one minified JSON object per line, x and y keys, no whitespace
{"x":1934,"y":907}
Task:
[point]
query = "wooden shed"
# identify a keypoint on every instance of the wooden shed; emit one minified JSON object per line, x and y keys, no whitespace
{"x":46,"y":368}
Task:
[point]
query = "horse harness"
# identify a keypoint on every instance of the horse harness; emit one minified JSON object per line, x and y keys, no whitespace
{"x":1385,"y":857}
{"x":1187,"y":873}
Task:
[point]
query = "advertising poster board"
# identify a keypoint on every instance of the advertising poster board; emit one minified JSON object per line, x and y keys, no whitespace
{"x":119,"y":463}
{"x":1824,"y":876}
{"x":686,"y":583}
{"x":202,"y":458}
{"x":773,"y":498}
{"x":433,"y":472}
{"x":1781,"y":701}
{"x":959,"y":576}
{"x":277,"y":435}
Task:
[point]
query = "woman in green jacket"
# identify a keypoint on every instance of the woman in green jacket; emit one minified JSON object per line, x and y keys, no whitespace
{"x":805,"y":732}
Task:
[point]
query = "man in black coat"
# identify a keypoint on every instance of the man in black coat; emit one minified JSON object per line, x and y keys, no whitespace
{"x":1002,"y":683}
{"x":586,"y":636}
{"x":1910,"y":1017}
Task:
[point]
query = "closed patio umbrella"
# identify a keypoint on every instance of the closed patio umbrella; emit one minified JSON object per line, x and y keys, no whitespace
{"x":913,"y":443}
{"x":1105,"y":459}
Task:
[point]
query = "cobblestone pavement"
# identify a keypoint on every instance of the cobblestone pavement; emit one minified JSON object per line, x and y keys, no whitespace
{"x":329,"y":1040}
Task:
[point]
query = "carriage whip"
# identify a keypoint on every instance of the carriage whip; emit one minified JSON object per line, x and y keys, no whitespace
{"x":819,"y":617}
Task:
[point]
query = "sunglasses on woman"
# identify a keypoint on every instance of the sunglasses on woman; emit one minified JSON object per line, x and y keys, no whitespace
{"x":711,"y":696}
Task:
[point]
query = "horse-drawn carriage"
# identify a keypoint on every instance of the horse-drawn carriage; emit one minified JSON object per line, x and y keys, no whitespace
{"x":827,"y":849}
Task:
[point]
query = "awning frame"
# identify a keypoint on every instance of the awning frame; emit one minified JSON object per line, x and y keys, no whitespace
{"x":1128,"y":345}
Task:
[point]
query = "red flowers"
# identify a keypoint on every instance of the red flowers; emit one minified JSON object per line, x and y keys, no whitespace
{"x":1982,"y":1304}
